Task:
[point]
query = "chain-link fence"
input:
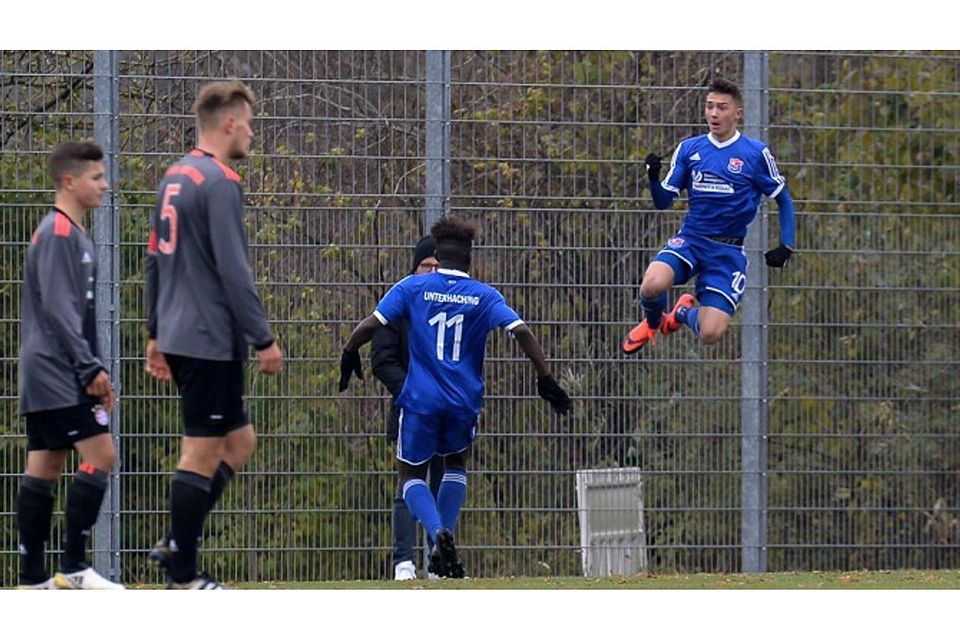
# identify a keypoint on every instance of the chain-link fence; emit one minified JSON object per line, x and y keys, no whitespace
{"x":824,"y":415}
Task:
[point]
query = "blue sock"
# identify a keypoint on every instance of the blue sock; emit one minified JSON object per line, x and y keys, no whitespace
{"x":453,"y":491}
{"x":653,"y":309}
{"x":688,"y":316}
{"x":420,"y":501}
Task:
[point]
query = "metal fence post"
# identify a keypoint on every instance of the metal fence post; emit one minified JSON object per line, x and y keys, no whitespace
{"x":106,"y":533}
{"x":438,"y":136}
{"x":438,"y":152}
{"x":753,"y":447}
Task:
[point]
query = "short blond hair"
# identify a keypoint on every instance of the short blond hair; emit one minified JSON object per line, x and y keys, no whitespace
{"x":218,"y":96}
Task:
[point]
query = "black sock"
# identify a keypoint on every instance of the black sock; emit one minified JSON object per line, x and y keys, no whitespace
{"x":218,"y":483}
{"x":34,"y":512}
{"x":83,"y":506}
{"x":189,"y":498}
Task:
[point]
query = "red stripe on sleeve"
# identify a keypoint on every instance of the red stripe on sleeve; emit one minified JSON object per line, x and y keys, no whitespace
{"x":186,"y":170}
{"x":62,"y":225}
{"x":152,"y":242}
{"x":193,"y":173}
{"x":227,"y":171}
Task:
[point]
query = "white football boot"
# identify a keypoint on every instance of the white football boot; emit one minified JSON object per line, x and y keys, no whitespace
{"x":84,"y":579}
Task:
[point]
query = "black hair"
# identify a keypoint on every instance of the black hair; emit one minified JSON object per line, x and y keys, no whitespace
{"x":454,"y":240}
{"x":726,"y":87}
{"x":70,"y":157}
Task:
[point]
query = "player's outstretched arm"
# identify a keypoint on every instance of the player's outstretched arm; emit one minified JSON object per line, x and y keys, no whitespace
{"x":779,"y":256}
{"x":547,"y":387}
{"x":528,"y":342}
{"x":350,"y":358}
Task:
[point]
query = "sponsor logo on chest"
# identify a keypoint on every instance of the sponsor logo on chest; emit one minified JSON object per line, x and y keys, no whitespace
{"x":710,"y":183}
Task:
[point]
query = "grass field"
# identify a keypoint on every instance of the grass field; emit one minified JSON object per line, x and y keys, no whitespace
{"x":788,"y":606}
{"x":812,"y":580}
{"x":905,"y":579}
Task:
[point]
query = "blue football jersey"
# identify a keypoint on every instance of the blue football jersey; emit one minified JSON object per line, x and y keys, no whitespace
{"x":448,"y":315}
{"x":724,"y":182}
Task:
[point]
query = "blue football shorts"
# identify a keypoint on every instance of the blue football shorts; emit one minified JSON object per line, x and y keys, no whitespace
{"x":423,"y":436}
{"x":721,"y":269}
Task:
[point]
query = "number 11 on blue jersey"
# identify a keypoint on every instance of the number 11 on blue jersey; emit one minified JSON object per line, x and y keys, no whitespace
{"x":442,"y":324}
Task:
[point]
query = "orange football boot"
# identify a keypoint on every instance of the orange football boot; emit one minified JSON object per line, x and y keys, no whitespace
{"x":670,"y":322}
{"x":639,"y":337}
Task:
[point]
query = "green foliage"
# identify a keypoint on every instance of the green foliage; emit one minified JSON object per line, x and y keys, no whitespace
{"x":548,"y":161}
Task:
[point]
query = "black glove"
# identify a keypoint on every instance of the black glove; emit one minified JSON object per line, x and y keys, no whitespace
{"x":553,"y":393}
{"x":349,"y":363}
{"x":778,"y":257}
{"x":653,"y":162}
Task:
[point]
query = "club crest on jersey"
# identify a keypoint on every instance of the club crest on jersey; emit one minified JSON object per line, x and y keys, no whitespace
{"x":735,"y":165}
{"x":675,"y":242}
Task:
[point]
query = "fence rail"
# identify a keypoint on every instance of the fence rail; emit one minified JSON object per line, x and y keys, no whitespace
{"x":818,"y":435}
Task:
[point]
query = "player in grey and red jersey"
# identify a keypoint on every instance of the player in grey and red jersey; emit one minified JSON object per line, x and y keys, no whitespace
{"x":65,"y":391}
{"x":202,"y":301}
{"x":203,"y":312}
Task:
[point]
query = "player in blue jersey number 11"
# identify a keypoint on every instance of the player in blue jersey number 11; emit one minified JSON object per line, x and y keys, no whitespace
{"x":725,"y":174}
{"x":448,"y":315}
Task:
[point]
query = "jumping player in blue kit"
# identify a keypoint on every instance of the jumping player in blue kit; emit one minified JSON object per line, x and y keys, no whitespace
{"x":448,"y":315}
{"x":725,"y":174}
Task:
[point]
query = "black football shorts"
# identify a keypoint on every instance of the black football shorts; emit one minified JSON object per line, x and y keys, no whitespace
{"x":211,"y":395}
{"x":61,"y":428}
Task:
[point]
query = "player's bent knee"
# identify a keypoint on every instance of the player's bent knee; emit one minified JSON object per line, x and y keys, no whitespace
{"x":712,"y":335}
{"x":239,"y":447}
{"x":652,"y":289}
{"x":107,"y":463}
{"x":657,"y":280}
{"x":243,"y":440}
{"x":201,"y":455}
{"x":103,"y":460}
{"x":98,"y":451}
